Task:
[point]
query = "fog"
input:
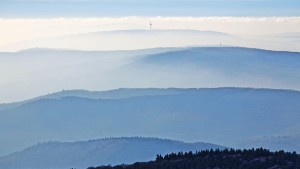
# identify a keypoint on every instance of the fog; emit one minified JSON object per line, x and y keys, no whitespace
{"x":104,"y":33}
{"x":35,"y":72}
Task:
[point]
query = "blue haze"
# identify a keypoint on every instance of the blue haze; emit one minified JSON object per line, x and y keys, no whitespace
{"x":233,"y":117}
{"x":82,"y":154}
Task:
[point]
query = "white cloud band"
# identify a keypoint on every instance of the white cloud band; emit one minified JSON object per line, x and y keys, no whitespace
{"x":15,"y":30}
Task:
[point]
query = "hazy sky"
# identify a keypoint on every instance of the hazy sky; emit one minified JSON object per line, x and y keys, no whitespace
{"x":100,"y":8}
{"x":22,"y":20}
{"x":19,"y":30}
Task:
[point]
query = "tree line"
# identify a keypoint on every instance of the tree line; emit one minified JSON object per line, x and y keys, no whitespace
{"x":218,"y":159}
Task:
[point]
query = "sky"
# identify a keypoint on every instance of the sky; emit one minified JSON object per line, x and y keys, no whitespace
{"x":117,"y":8}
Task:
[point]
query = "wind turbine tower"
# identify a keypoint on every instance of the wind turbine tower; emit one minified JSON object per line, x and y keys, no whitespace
{"x":150,"y":25}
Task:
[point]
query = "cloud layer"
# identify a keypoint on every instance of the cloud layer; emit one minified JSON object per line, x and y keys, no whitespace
{"x":17,"y":30}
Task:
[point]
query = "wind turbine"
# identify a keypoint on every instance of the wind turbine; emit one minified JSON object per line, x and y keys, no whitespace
{"x":150,"y":25}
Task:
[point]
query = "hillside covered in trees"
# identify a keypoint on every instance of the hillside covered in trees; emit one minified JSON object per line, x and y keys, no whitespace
{"x":219,"y":159}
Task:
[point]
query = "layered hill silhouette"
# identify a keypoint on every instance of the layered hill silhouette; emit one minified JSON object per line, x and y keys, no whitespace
{"x":55,"y":70}
{"x":243,"y":116}
{"x":233,"y":117}
{"x":82,"y":154}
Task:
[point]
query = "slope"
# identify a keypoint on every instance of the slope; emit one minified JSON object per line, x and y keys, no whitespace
{"x":61,"y":155}
{"x":226,"y":116}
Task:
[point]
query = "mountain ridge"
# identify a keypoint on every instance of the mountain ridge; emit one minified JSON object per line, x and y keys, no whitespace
{"x":109,"y":94}
{"x":197,"y":67}
{"x":82,"y":154}
{"x":189,"y":112}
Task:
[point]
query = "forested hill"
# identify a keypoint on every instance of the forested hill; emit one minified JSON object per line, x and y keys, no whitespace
{"x":217,"y":159}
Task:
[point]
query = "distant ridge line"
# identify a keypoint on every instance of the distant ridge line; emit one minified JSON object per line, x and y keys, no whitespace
{"x":169,"y":88}
{"x":119,"y":138}
{"x":182,"y":48}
